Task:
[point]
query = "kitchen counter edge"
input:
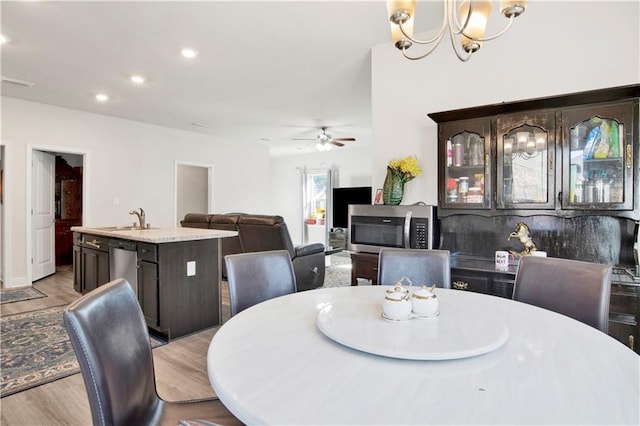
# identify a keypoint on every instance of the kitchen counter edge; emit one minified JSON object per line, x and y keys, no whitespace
{"x":158,"y":235}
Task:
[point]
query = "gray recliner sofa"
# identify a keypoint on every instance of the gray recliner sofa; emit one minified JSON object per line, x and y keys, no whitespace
{"x":264,"y":233}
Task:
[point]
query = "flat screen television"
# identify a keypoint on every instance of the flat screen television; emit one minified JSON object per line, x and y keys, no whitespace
{"x":342,"y":197}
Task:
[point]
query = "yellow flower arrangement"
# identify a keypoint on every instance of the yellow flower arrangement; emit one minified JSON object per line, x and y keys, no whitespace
{"x":320,"y":212}
{"x":406,"y":168}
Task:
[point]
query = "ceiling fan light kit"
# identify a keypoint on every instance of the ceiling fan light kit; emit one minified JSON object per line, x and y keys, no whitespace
{"x":470,"y":35}
{"x":324,"y":140}
{"x":323,"y":146}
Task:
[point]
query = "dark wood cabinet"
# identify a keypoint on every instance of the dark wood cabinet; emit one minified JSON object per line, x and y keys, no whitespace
{"x":465,"y":175}
{"x":364,"y":265}
{"x":178,"y":283}
{"x":90,"y":262}
{"x":479,"y":275}
{"x":624,"y":310}
{"x":566,"y":155}
{"x":600,"y":147}
{"x":188,"y":286}
{"x":95,"y":269}
{"x":470,"y":282}
{"x":567,"y":166}
{"x":77,"y":265}
{"x":64,"y":242}
{"x":526,"y":160}
{"x":148,"y":283}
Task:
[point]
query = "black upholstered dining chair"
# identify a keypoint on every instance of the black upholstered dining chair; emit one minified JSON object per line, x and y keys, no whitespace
{"x":259,"y":276}
{"x":420,"y":266}
{"x":580,"y":290}
{"x":110,"y":339}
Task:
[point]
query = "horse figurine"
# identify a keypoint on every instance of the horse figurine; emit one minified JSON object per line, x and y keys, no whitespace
{"x":522,"y":233}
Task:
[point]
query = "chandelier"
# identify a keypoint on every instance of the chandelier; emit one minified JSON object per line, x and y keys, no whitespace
{"x":469,"y":35}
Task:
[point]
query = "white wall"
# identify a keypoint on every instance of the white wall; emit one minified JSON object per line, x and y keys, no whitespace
{"x":354,"y":169}
{"x":127,"y":163}
{"x":553,"y":48}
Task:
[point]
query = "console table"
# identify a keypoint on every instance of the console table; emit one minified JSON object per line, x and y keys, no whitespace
{"x":364,"y":265}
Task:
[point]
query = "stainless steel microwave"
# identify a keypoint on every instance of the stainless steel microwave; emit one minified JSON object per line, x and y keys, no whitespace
{"x":372,"y":227}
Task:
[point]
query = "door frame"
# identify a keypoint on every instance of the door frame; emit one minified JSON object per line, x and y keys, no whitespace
{"x":5,"y":227}
{"x":209,"y":168}
{"x":29,"y":170}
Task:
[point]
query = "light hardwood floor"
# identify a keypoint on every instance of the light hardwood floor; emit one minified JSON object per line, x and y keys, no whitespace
{"x":180,"y":366}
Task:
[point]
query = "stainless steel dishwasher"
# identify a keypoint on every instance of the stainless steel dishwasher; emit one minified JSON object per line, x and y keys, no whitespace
{"x":123,"y":261}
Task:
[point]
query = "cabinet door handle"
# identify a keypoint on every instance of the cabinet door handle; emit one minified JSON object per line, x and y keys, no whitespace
{"x":93,"y":243}
{"x":632,"y":342}
{"x":550,"y":160}
{"x":460,"y":285}
{"x":629,"y":155}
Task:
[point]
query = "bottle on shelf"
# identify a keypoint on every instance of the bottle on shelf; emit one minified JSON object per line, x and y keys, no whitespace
{"x":458,"y":153}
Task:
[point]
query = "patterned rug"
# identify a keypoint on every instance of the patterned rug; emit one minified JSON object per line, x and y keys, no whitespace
{"x":339,"y":273}
{"x":36,"y":350}
{"x":20,"y":294}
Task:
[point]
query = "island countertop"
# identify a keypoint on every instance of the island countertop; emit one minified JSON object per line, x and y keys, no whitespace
{"x":155,"y":235}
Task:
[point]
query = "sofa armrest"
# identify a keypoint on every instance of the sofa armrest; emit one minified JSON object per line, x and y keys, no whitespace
{"x":307,"y":249}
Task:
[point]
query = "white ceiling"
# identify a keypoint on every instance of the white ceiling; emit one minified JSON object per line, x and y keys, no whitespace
{"x":268,"y":71}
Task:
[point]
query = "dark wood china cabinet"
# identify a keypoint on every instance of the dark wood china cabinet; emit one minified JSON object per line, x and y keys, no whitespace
{"x":68,"y":208}
{"x":565,"y":165}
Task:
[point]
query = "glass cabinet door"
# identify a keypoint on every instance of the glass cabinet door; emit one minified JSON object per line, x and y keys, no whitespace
{"x":598,"y":172}
{"x":526,"y":161}
{"x":465,"y":180}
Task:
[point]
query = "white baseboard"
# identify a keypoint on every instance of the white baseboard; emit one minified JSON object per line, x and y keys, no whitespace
{"x":16,"y":282}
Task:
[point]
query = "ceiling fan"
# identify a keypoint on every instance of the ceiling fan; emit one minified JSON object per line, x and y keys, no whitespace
{"x":324,"y":140}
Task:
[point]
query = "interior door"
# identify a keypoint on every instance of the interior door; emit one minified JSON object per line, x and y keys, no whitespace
{"x":43,"y":215}
{"x":193,"y":190}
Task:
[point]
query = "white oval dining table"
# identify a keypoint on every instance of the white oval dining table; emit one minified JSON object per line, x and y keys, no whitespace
{"x":272,"y":364}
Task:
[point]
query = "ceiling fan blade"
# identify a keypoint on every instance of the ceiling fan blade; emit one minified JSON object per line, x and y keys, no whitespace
{"x":298,"y":139}
{"x":333,"y":142}
{"x":345,"y":139}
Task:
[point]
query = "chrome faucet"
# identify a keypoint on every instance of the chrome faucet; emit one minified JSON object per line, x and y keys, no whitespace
{"x":141,"y":217}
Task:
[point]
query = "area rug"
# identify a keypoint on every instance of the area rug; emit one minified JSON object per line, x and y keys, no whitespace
{"x":20,"y":294}
{"x":339,"y":273}
{"x":36,"y":350}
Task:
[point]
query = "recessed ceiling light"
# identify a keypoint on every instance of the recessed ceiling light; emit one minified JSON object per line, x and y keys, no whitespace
{"x":189,"y":53}
{"x":102,"y":97}
{"x":3,"y":39}
{"x":137,"y":79}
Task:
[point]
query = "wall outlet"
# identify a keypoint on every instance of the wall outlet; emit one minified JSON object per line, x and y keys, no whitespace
{"x":191,"y":268}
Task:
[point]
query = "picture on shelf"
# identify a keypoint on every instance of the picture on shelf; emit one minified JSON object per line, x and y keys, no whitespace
{"x":378,"y":199}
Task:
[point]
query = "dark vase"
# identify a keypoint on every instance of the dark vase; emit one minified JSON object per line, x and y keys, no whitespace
{"x":393,"y":188}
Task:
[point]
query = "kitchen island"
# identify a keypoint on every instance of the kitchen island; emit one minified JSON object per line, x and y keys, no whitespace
{"x":175,"y":272}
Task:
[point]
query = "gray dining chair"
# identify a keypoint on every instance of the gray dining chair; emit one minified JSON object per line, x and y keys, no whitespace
{"x":422,"y":267}
{"x":580,"y":290}
{"x":258,"y":276}
{"x":111,"y":342}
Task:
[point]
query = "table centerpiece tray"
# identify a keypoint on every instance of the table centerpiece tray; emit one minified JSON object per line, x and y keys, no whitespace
{"x":457,"y":332}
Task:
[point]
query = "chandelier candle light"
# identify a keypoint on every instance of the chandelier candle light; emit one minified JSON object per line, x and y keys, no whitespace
{"x":474,"y":14}
{"x":399,"y":172}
